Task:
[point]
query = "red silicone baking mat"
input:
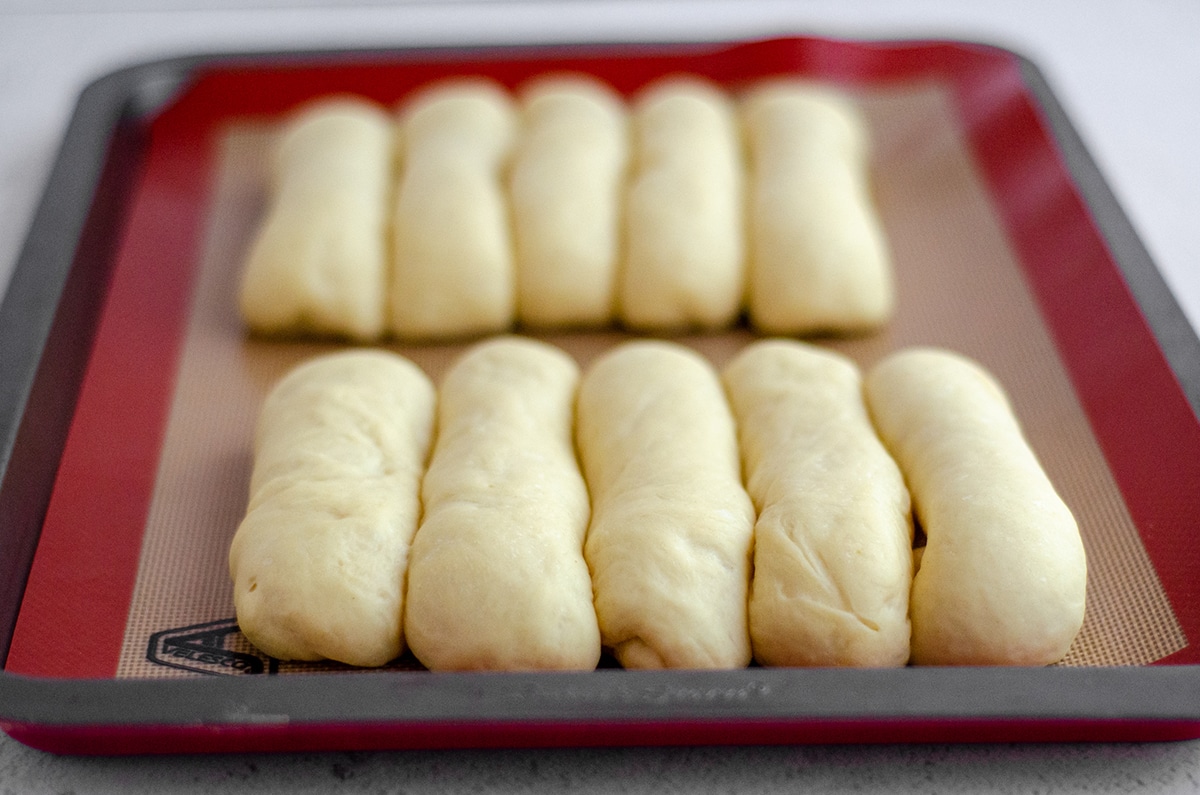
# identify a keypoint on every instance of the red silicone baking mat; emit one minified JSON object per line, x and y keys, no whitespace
{"x":997,"y":255}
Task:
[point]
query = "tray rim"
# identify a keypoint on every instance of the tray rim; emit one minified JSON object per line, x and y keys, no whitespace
{"x":55,"y":709}
{"x":1179,"y":341}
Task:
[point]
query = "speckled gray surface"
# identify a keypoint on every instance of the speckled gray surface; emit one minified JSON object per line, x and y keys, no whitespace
{"x":1016,"y":769}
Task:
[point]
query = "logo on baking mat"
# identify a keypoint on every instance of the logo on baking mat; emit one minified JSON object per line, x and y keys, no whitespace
{"x":216,"y":647}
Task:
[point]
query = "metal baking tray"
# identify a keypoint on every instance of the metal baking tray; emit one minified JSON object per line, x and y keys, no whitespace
{"x":93,"y":331}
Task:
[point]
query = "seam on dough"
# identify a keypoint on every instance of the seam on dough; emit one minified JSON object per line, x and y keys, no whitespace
{"x":839,"y":602}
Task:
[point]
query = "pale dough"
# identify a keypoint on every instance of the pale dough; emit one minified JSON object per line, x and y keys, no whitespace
{"x":565,"y":189}
{"x":319,"y":260}
{"x":318,"y":563}
{"x":452,"y":266}
{"x":1003,"y":575}
{"x":833,"y":540}
{"x":684,"y":260}
{"x":818,"y":256}
{"x":669,"y":544}
{"x":497,"y":579}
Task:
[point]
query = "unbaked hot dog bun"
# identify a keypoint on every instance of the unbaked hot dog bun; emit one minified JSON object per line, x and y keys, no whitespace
{"x":318,"y":563}
{"x":452,"y":267}
{"x":566,"y":189}
{"x":684,"y":248}
{"x":498,"y":579}
{"x":1003,"y":576}
{"x":818,"y":257}
{"x":833,"y":539}
{"x":319,"y":260}
{"x":670,"y":538}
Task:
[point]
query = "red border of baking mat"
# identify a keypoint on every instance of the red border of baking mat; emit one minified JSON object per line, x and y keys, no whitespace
{"x":76,"y":603}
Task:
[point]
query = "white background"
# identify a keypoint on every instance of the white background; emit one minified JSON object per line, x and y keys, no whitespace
{"x":1128,"y":74}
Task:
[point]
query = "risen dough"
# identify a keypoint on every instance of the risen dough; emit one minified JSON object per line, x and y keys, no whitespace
{"x":565,"y":187}
{"x":833,"y":540}
{"x":497,"y":579}
{"x":452,"y":270}
{"x":669,"y":544}
{"x":318,"y":562}
{"x":319,"y":261}
{"x":818,"y":257}
{"x":1003,"y":577}
{"x":684,"y":259}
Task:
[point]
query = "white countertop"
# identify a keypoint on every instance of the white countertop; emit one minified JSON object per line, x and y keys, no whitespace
{"x":1128,"y":74}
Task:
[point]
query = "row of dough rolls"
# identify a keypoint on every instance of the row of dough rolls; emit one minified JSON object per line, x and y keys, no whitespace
{"x":564,"y":206}
{"x":677,"y":516}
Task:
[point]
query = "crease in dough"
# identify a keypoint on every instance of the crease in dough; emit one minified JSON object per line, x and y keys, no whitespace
{"x":833,"y":538}
{"x":318,"y":563}
{"x":669,"y":544}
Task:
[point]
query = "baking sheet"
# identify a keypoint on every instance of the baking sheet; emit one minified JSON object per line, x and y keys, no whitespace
{"x":996,"y":257}
{"x":959,"y":286}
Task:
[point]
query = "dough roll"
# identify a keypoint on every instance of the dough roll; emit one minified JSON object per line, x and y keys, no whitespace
{"x":684,"y":259}
{"x":497,"y":579}
{"x":833,"y":540}
{"x":669,"y":544}
{"x":319,"y":260}
{"x":565,"y":188}
{"x":452,"y":269}
{"x":1003,"y":576}
{"x":818,"y":261}
{"x":318,"y":563}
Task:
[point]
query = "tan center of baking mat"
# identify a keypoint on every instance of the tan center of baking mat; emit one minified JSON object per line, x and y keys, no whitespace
{"x":959,"y":286}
